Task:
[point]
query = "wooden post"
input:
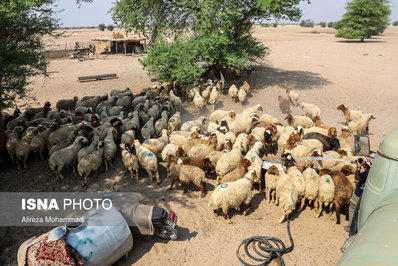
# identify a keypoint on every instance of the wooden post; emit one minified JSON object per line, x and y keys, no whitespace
{"x":116,"y":47}
{"x":125,"y":48}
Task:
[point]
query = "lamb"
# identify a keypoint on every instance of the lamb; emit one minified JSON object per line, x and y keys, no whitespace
{"x":129,"y":161}
{"x":327,"y":142}
{"x":199,"y":102}
{"x":63,"y":143}
{"x":311,"y":179}
{"x":218,"y":115}
{"x":233,"y":195}
{"x":147,"y":160}
{"x":161,"y":123}
{"x":109,"y":147}
{"x":66,"y":156}
{"x":296,"y":121}
{"x":89,"y":149}
{"x":286,"y":194}
{"x":293,"y":96}
{"x":311,"y":110}
{"x":148,"y":129}
{"x":284,"y":105}
{"x":343,"y":190}
{"x":186,"y":174}
{"x":91,"y":162}
{"x":67,"y":104}
{"x":242,"y":95}
{"x":12,"y":140}
{"x":157,"y":145}
{"x":233,"y":92}
{"x":359,"y":126}
{"x":128,"y":137}
{"x":194,"y":123}
{"x":245,"y":86}
{"x":325,"y":195}
{"x":229,"y":161}
{"x":174,"y":122}
{"x":350,"y":114}
{"x":238,"y":173}
{"x":213,"y":98}
{"x":23,"y":147}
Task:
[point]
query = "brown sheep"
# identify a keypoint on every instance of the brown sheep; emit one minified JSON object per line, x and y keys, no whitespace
{"x":343,"y":190}
{"x":203,"y":163}
{"x":245,"y":86}
{"x":238,"y":173}
{"x":284,"y":105}
{"x":318,"y":123}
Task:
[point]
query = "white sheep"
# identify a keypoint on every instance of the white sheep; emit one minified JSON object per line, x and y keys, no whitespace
{"x":179,"y":140}
{"x":311,"y":110}
{"x":325,"y":194}
{"x":63,"y":143}
{"x":91,"y":162}
{"x":88,"y":149}
{"x":266,"y":118}
{"x":213,"y":97}
{"x":148,"y":129}
{"x":206,"y":93}
{"x":66,"y":104}
{"x":253,"y":155}
{"x":156,"y":145}
{"x":217,"y":115}
{"x":253,"y":109}
{"x":161,"y":123}
{"x":233,"y":92}
{"x":174,"y":122}
{"x":286,"y":195}
{"x":243,"y":140}
{"x":296,"y":121}
{"x":61,"y":134}
{"x":298,"y":179}
{"x":128,"y":137}
{"x":350,"y":114}
{"x":176,"y":101}
{"x":65,"y":157}
{"x":293,"y":96}
{"x":12,"y":140}
{"x":233,"y":194}
{"x":147,"y":160}
{"x":109,"y":147}
{"x":198,"y":101}
{"x":39,"y":141}
{"x":243,"y":125}
{"x":271,"y":177}
{"x":242,"y":95}
{"x":200,"y":122}
{"x":23,"y":147}
{"x":229,"y":161}
{"x":311,"y":178}
{"x":359,"y":126}
{"x":129,"y":161}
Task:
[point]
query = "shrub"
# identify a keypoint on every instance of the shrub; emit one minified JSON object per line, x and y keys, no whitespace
{"x":275,"y":25}
{"x":395,"y":23}
{"x":110,"y":27}
{"x":265,"y":25}
{"x":307,"y":23}
{"x":331,"y":24}
{"x":322,"y":24}
{"x":101,"y":27}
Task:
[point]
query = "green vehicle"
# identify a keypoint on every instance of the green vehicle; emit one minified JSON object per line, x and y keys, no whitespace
{"x":376,"y":242}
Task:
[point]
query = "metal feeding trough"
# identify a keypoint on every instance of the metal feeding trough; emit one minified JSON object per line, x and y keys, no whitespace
{"x":96,"y":77}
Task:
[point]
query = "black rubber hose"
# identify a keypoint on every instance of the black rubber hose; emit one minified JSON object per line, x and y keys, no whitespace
{"x":266,"y":248}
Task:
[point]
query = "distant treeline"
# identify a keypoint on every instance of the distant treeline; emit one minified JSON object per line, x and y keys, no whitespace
{"x":79,"y":27}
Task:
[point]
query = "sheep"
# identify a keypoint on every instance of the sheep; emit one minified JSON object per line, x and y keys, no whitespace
{"x":242,"y":95}
{"x":106,"y":104}
{"x":229,"y":161}
{"x":65,"y":157}
{"x":238,"y":173}
{"x":349,"y":114}
{"x":39,"y":141}
{"x":154,"y":110}
{"x":161,"y":123}
{"x":266,"y":118}
{"x":253,"y":155}
{"x":311,"y":179}
{"x":284,"y":105}
{"x":233,"y":92}
{"x":199,"y":102}
{"x":243,"y":140}
{"x":331,"y":132}
{"x":174,"y":122}
{"x":23,"y":147}
{"x":90,"y":162}
{"x":115,"y":92}
{"x":213,"y":98}
{"x":124,"y":101}
{"x":176,"y":101}
{"x":233,"y":195}
{"x":346,"y":141}
{"x":194,"y":123}
{"x":303,"y":121}
{"x":88,"y":149}
{"x":63,"y":143}
{"x":218,"y":115}
{"x":327,"y":142}
{"x":191,"y":93}
{"x":325,"y":195}
{"x":170,"y":149}
{"x":128,"y":137}
{"x":186,"y":174}
{"x":293,"y":96}
{"x":61,"y":134}
{"x":203,"y":163}
{"x":94,"y":101}
{"x":66,"y":104}
{"x":156,"y":145}
{"x":147,"y":160}
{"x":287,"y":141}
{"x":318,"y":123}
{"x":271,"y":176}
{"x":190,"y":143}
{"x":359,"y":126}
{"x":132,"y":124}
{"x":343,"y":190}
{"x":242,"y":125}
{"x":12,"y":140}
{"x":202,"y":150}
{"x":115,"y":110}
{"x":206,"y":93}
{"x":129,"y":161}
{"x":109,"y":147}
{"x":245,"y":86}
{"x":286,"y":194}
{"x":251,"y":110}
{"x":297,"y":178}
{"x":179,"y":140}
{"x":148,"y":129}
{"x":311,"y":110}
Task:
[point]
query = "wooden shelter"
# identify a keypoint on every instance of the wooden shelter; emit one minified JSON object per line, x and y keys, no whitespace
{"x":119,"y":46}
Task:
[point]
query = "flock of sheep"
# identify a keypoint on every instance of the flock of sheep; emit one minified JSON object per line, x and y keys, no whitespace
{"x":149,"y":132}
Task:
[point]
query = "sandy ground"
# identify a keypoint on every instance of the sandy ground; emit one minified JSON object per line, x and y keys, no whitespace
{"x":325,"y":71}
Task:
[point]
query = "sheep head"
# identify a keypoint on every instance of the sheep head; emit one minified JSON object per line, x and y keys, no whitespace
{"x":245,"y":163}
{"x":289,"y":161}
{"x":259,"y":108}
{"x":232,"y":114}
{"x":289,"y":119}
{"x":273,"y":170}
{"x":332,"y":132}
{"x":342,"y":107}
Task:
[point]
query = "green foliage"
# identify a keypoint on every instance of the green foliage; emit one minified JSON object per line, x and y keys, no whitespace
{"x":275,"y":25}
{"x":331,"y":24}
{"x":307,"y":23}
{"x":395,"y":23}
{"x":218,"y":31}
{"x":101,"y":27}
{"x":364,"y":18}
{"x":110,"y":27}
{"x":322,"y":24}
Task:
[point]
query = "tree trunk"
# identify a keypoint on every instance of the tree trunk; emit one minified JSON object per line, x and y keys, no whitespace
{"x":2,"y":139}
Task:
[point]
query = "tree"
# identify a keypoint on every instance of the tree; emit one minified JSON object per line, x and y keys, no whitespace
{"x":110,"y":27}
{"x":364,"y":18}
{"x":331,"y":24}
{"x":307,"y":23}
{"x":395,"y":23}
{"x":101,"y":27}
{"x":211,"y":35}
{"x":322,"y":24}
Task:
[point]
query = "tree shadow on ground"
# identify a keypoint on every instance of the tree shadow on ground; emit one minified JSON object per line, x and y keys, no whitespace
{"x":359,"y":41}
{"x":264,"y":76}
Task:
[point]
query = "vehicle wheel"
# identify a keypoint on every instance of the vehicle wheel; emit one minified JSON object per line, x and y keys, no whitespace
{"x":166,"y":232}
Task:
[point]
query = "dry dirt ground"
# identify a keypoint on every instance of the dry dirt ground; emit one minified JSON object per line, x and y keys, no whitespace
{"x":325,"y":71}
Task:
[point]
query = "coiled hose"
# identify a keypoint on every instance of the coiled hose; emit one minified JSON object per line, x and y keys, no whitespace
{"x":268,"y":248}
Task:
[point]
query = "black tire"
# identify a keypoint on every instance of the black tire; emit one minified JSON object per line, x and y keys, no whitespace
{"x":166,"y":232}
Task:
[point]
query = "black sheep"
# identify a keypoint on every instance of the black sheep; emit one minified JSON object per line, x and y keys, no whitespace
{"x":328,"y":143}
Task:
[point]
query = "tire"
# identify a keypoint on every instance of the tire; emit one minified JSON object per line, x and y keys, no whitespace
{"x":166,"y":232}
